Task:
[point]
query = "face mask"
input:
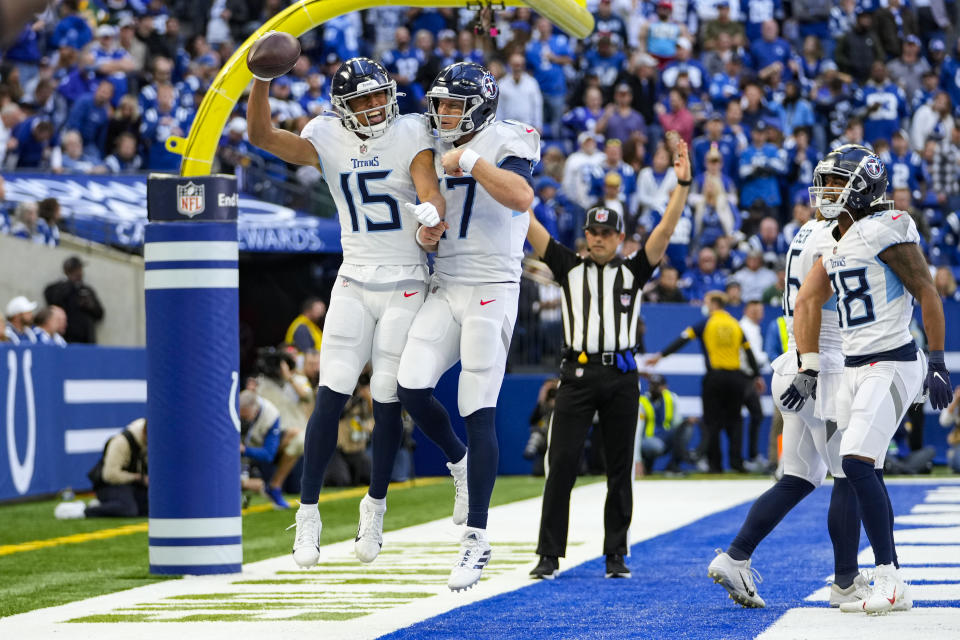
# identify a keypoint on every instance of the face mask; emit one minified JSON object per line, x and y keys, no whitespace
{"x":704,"y":310}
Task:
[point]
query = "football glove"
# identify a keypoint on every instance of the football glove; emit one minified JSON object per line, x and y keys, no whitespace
{"x":804,"y":386}
{"x":938,"y":381}
{"x":426,"y":213}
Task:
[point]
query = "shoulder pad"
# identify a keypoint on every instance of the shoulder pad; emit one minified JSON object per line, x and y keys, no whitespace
{"x":517,"y":139}
{"x":887,"y":228}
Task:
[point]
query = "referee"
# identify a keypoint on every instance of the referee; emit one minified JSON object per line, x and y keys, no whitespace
{"x":601,"y":313}
{"x":724,"y":385}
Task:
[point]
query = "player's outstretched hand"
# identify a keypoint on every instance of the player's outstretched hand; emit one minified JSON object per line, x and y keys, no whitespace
{"x":451,"y":162}
{"x":804,"y":386}
{"x":938,"y":381}
{"x":681,"y":161}
{"x":426,"y":213}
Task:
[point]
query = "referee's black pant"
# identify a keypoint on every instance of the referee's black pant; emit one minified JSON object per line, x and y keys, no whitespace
{"x":723,"y":393}
{"x":583,"y":390}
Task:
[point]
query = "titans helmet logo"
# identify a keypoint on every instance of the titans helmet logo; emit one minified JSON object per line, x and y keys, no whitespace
{"x":489,"y":87}
{"x":873,"y":167}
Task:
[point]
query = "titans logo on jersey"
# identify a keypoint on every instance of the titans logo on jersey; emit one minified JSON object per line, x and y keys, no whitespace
{"x":485,"y":240}
{"x":370,"y":182}
{"x":873,"y":306}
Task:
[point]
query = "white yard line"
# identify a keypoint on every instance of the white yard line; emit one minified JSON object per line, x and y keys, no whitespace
{"x":339,"y":585}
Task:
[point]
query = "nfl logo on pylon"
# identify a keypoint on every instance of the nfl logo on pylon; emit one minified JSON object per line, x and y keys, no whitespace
{"x":190,"y":200}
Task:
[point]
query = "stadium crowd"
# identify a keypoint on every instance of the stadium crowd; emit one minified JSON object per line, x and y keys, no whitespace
{"x":759,"y":88}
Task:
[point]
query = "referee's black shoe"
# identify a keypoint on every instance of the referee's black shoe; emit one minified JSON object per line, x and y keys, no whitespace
{"x":616,"y":568}
{"x":546,"y":569}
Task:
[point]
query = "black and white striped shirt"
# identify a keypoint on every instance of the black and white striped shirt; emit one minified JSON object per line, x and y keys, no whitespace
{"x":601,"y":305}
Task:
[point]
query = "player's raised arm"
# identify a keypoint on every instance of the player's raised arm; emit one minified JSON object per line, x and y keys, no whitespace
{"x":908,"y":263}
{"x":506,"y":187}
{"x":656,"y":244}
{"x":271,"y":56}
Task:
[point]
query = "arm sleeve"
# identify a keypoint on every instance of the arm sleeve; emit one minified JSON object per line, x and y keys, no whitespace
{"x":639,"y":265}
{"x":751,"y":359}
{"x":560,"y":260}
{"x":271,"y":443}
{"x":688,"y":334}
{"x":520,"y":166}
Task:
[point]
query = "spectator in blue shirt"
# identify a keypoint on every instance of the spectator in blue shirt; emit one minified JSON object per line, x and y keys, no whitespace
{"x":772,"y":49}
{"x":341,"y":35}
{"x":126,"y":156}
{"x":70,"y":157}
{"x":25,"y":52}
{"x":609,"y":22}
{"x":467,"y":48}
{"x":585,"y":118}
{"x":797,"y":110}
{"x":90,"y":115}
{"x":544,"y":205}
{"x":605,"y":62}
{"x":403,"y":63}
{"x":33,"y":137}
{"x":725,"y":87}
{"x":905,"y":167}
{"x":159,"y":124}
{"x":316,"y":99}
{"x":802,"y":159}
{"x":549,"y":55}
{"x":769,"y":241}
{"x":884,"y":105}
{"x":715,"y":137}
{"x":950,"y":74}
{"x":111,"y":61}
{"x":761,"y":166}
{"x":685,"y":65}
{"x":613,"y":162}
{"x":696,"y":282}
{"x":756,"y":13}
{"x":73,"y":30}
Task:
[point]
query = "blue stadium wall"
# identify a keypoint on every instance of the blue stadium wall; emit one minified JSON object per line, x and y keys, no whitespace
{"x":58,"y":405}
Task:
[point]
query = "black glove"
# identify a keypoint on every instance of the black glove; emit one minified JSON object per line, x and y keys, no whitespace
{"x":804,"y":386}
{"x":938,"y":381}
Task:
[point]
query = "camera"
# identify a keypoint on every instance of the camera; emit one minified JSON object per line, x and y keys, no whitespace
{"x":536,"y":445}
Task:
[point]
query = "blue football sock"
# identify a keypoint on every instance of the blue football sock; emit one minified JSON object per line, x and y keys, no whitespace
{"x":883,"y":484}
{"x":320,"y":442}
{"x":482,"y":464}
{"x":766,"y":513}
{"x":433,"y":420}
{"x":387,"y":435}
{"x":843,"y":523}
{"x":874,"y":507}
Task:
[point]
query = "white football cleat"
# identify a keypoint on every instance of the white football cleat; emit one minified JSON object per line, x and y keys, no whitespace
{"x":858,"y":591}
{"x":474,"y":556}
{"x":888,"y":590}
{"x":737,"y":577}
{"x":306,"y":544}
{"x":461,"y":502}
{"x":904,"y":602}
{"x":369,"y":538}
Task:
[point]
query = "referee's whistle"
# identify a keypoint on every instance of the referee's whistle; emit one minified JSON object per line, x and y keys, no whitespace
{"x":582,"y":358}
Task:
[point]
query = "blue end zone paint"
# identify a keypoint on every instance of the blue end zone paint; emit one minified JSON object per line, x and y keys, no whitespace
{"x":670,"y":595}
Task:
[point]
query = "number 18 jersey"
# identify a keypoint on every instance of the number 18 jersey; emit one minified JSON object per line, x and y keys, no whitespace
{"x":370,"y":182}
{"x":873,"y":305}
{"x":485,"y":240}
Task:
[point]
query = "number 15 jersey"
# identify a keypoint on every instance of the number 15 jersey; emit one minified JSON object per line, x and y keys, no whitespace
{"x":485,"y":240}
{"x":873,"y":305}
{"x":370,"y":182}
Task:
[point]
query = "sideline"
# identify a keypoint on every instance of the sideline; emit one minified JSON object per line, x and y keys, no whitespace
{"x":141,"y":527}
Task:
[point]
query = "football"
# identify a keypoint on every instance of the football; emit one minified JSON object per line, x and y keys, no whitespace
{"x":273,"y":54}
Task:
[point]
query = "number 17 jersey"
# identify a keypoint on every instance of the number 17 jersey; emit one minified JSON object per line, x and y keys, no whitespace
{"x":873,"y":305}
{"x":485,"y":240}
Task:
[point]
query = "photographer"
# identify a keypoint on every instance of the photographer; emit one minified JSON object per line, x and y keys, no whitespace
{"x":277,"y":383}
{"x":79,"y":300}
{"x":539,"y":424}
{"x":265,"y":446}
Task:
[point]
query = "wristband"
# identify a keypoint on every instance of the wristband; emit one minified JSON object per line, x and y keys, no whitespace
{"x":468,"y":158}
{"x":262,"y":79}
{"x":684,"y":183}
{"x":935,"y":357}
{"x":810,"y":361}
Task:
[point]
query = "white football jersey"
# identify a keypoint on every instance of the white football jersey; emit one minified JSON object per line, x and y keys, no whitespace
{"x":873,"y":305}
{"x":485,"y":240}
{"x":370,"y":182}
{"x":813,"y":240}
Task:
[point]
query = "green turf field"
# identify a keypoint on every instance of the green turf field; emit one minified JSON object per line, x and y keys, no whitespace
{"x":69,"y":570}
